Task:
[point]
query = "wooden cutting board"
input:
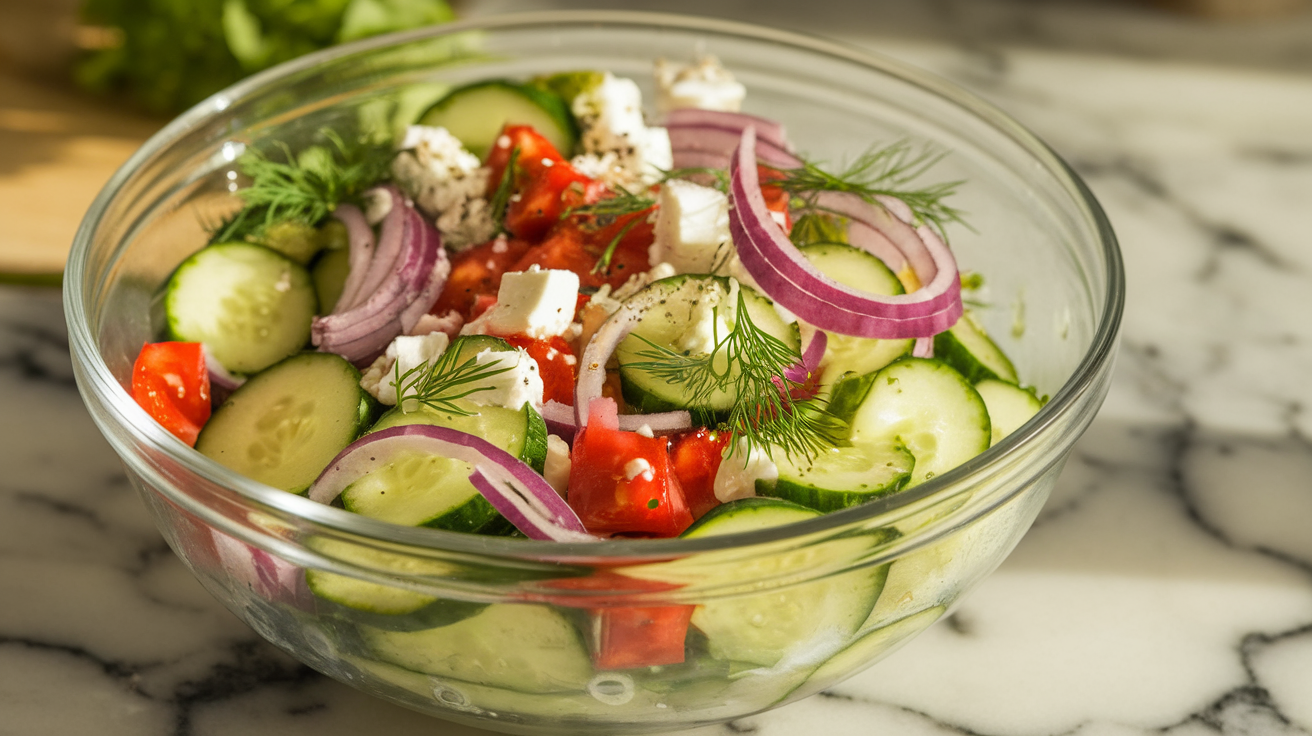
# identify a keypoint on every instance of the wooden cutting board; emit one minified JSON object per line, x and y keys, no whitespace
{"x":58,"y":147}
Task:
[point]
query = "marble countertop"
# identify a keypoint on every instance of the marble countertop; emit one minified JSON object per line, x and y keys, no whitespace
{"x":1166,"y":588}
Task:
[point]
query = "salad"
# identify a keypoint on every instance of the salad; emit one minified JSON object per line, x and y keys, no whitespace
{"x":538,"y":314}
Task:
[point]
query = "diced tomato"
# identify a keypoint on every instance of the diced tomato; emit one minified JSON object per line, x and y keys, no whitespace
{"x":576,"y":245}
{"x":476,"y":272}
{"x":556,"y":365}
{"x":170,"y":381}
{"x":544,"y":184}
{"x":622,"y":482}
{"x":696,"y":458}
{"x":776,"y":199}
{"x":625,"y":637}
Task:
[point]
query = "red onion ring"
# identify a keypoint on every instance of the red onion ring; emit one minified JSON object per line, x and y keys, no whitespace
{"x":390,"y":248}
{"x":560,"y":421}
{"x":790,"y":280}
{"x":510,"y":485}
{"x":768,"y":131}
{"x":361,"y":239}
{"x":413,"y":281}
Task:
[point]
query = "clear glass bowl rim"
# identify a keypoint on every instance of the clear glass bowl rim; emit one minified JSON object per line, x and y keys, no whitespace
{"x":1071,"y":398}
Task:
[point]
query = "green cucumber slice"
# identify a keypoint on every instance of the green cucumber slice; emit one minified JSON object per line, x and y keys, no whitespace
{"x":286,"y":423}
{"x":429,"y":490}
{"x":968,"y":348}
{"x":840,"y":477}
{"x":329,"y":275}
{"x":250,"y":305}
{"x":930,"y":409}
{"x":797,"y":622}
{"x":523,"y":647}
{"x":477,"y":112}
{"x":1009,"y":406}
{"x":858,"y":269}
{"x":379,"y":605}
{"x":682,"y":305}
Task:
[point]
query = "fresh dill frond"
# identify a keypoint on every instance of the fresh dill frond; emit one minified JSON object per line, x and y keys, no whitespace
{"x":501,"y":197}
{"x":750,"y":365}
{"x":888,"y":171}
{"x":603,"y":263}
{"x":719,"y":177}
{"x":440,"y":384}
{"x":303,"y":187}
{"x":608,"y":210}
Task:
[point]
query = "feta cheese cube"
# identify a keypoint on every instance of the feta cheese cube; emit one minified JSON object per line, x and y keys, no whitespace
{"x":447,"y":182}
{"x":511,"y":389}
{"x":404,"y":354}
{"x":705,"y":85}
{"x":557,"y":465}
{"x":740,"y":471}
{"x":538,"y":303}
{"x":692,"y":228}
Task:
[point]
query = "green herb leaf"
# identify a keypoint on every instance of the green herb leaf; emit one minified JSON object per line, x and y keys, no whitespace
{"x":889,"y":171}
{"x":303,"y":188}
{"x":501,"y":197}
{"x":441,"y":384}
{"x":750,"y":364}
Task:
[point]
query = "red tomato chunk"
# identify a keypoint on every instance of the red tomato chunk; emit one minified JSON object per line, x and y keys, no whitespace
{"x":170,"y":381}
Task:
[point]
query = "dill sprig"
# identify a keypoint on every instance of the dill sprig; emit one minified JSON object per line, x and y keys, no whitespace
{"x":888,"y":171}
{"x":501,"y":197}
{"x":440,"y":384}
{"x":608,"y":210}
{"x":719,"y":178}
{"x":305,"y":187}
{"x":751,"y":365}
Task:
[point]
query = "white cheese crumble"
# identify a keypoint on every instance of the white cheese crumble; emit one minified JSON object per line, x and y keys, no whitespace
{"x":692,"y":228}
{"x":538,"y":303}
{"x":555,"y":469}
{"x":513,"y":388}
{"x":737,"y":475}
{"x":447,"y":182}
{"x":618,"y":147}
{"x":705,"y":85}
{"x":709,"y":322}
{"x":638,"y":467}
{"x":403,"y":354}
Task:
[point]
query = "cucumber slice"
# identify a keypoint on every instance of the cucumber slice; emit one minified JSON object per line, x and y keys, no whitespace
{"x":683,"y":307}
{"x":795,"y":623}
{"x":870,"y":646}
{"x":858,"y":269}
{"x":250,"y":305}
{"x":284,"y":425}
{"x":967,"y":348}
{"x":1009,"y":406}
{"x":930,"y":409}
{"x":383,"y":606}
{"x":524,"y":647}
{"x":430,"y":490}
{"x":476,"y":113}
{"x":841,"y":476}
{"x":329,"y":274}
{"x":568,"y":85}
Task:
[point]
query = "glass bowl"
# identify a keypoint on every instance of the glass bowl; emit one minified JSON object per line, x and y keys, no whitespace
{"x":502,"y":627}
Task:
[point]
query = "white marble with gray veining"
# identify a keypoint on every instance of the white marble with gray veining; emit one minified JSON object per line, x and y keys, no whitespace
{"x":1165,"y":589}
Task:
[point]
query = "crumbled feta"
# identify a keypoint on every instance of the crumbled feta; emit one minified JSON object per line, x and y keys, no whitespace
{"x":404,"y":354}
{"x":740,"y":471}
{"x":511,"y":389}
{"x":638,"y":467}
{"x":538,"y":303}
{"x":692,"y":228}
{"x":704,"y":84}
{"x":557,"y":465}
{"x":449,"y":323}
{"x":618,"y":147}
{"x":447,"y":182}
{"x":710,"y":320}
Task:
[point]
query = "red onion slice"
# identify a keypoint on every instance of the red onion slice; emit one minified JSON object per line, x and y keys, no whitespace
{"x":560,"y":421}
{"x":512,"y":487}
{"x":390,"y":247}
{"x":413,"y":282}
{"x":361,"y":239}
{"x":767,"y":131}
{"x":788,"y":278}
